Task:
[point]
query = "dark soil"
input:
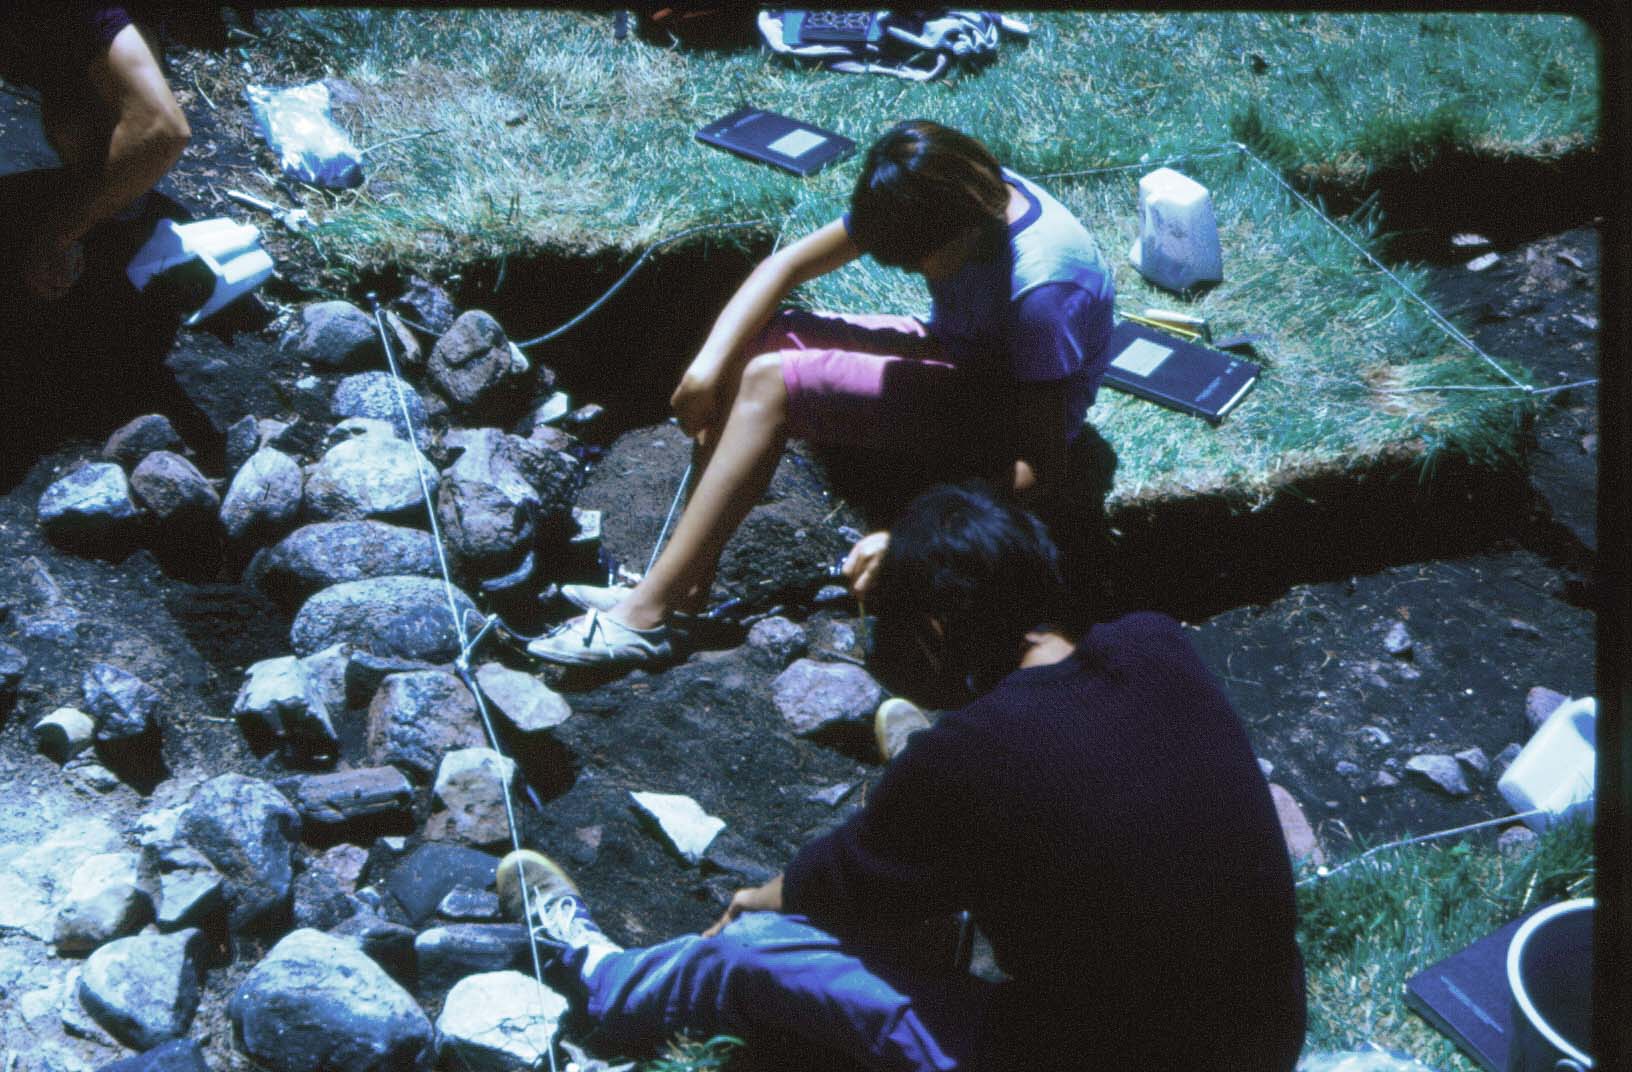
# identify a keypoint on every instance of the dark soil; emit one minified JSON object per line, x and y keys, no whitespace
{"x":1503,"y":606}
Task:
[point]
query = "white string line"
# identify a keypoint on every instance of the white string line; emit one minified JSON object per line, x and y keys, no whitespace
{"x":662,"y":534}
{"x":461,"y":664}
{"x":1326,"y":873}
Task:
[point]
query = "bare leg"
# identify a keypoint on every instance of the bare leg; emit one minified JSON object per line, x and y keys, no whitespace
{"x":735,"y":474}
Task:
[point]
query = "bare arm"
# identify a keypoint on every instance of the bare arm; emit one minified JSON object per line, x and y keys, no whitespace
{"x":816,"y":254}
{"x":149,"y":133}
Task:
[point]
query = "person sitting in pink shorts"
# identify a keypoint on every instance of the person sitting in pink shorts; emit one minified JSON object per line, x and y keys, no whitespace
{"x":999,"y":379}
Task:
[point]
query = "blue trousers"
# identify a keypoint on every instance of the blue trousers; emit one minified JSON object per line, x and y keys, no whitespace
{"x":774,"y":973}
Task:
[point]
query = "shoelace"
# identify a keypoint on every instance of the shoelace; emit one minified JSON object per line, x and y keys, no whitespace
{"x":559,"y":923}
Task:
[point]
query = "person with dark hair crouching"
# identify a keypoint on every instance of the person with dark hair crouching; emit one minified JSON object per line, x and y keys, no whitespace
{"x":1093,"y":802}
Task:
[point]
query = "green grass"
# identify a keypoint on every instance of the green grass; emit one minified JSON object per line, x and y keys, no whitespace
{"x":1368,"y":929}
{"x":546,"y":135}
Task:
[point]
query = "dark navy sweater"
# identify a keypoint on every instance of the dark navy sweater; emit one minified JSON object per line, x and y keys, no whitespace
{"x":1105,"y":820}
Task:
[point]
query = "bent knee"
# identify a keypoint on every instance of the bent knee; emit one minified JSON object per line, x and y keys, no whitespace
{"x":762,"y":381}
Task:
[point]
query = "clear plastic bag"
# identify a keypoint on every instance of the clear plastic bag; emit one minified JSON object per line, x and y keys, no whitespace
{"x":296,"y":123}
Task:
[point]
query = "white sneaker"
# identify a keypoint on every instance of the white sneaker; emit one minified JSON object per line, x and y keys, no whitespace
{"x":896,"y":720}
{"x":599,"y":640}
{"x":594,"y":596}
{"x":535,"y":890}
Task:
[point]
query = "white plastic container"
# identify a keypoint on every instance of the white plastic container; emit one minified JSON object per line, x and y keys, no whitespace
{"x":1177,"y":246}
{"x":227,"y":251}
{"x":1557,"y":770}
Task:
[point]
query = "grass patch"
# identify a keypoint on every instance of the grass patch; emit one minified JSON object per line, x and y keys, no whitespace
{"x":1366,"y":931}
{"x":534,"y":131}
{"x":1342,"y":340}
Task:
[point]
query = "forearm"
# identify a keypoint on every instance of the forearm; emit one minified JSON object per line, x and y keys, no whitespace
{"x":744,"y":315}
{"x":140,"y":153}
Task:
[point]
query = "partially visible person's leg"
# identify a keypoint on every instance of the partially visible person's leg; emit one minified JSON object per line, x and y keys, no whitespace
{"x":777,"y":974}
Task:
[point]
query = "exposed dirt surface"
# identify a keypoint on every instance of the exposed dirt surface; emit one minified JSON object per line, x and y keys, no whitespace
{"x":1302,"y":656}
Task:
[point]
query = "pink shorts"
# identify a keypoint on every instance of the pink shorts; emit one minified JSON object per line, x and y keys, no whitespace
{"x":866,"y":381}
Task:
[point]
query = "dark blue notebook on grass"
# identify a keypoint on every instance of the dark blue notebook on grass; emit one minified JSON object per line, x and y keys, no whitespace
{"x":1187,"y":376}
{"x":1466,"y":997}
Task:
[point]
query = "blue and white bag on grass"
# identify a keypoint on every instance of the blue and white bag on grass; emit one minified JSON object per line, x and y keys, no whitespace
{"x":296,"y":123}
{"x":916,"y":45}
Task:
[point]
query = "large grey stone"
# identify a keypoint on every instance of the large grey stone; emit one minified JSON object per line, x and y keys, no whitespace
{"x":375,"y":395}
{"x":500,"y":1021}
{"x":814,"y":695}
{"x":521,"y":699}
{"x":95,"y":498}
{"x":247,"y":830}
{"x":1442,"y":772}
{"x":124,"y":706}
{"x":172,"y":488}
{"x":417,"y":717}
{"x":476,"y":369}
{"x":109,"y":895}
{"x":336,"y":334}
{"x":190,"y":888}
{"x":448,"y":954}
{"x":35,"y":874}
{"x":428,"y":305}
{"x":405,"y":617}
{"x":144,"y":990}
{"x":345,"y":796}
{"x":370,"y":475}
{"x":280,"y":701}
{"x":498,"y":491}
{"x":317,"y":1003}
{"x":264,"y":496}
{"x":316,"y":556}
{"x":134,"y":441}
{"x":778,"y":640}
{"x":470,"y":792}
{"x":432,"y":870}
{"x":688,"y":828}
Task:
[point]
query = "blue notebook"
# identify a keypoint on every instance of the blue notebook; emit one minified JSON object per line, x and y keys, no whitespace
{"x":1466,"y":997}
{"x":1186,"y":376}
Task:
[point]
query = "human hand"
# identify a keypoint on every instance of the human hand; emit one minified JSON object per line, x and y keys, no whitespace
{"x":766,"y":898}
{"x":862,"y":564}
{"x":52,"y":266}
{"x":695,"y":402}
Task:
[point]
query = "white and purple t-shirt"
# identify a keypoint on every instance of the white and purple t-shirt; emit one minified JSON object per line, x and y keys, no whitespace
{"x":1044,"y":304}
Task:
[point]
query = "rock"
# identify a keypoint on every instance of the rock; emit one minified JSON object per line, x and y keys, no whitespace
{"x":1266,"y":768}
{"x":190,"y":888}
{"x":141,"y":437}
{"x":278,"y":700}
{"x":173,"y":489}
{"x":421,"y":881}
{"x":326,"y":672}
{"x":243,"y":439}
{"x":687,"y":827}
{"x":1524,"y":628}
{"x":1374,"y":737}
{"x":405,"y":347}
{"x":125,"y":707}
{"x":1347,"y":769}
{"x":499,"y":1022}
{"x":1397,"y":641}
{"x":417,"y":717}
{"x":318,"y":901}
{"x":1384,"y":780}
{"x":814,"y":695}
{"x":321,"y":555}
{"x":1301,"y":843}
{"x":108,"y":896}
{"x":144,"y":990}
{"x":407,"y":617}
{"x":366,"y":672}
{"x":92,"y":775}
{"x":428,"y":305}
{"x":64,"y":733}
{"x":318,"y":1004}
{"x":1475,"y":760}
{"x":447,"y":954}
{"x":778,"y":640}
{"x":177,"y":1055}
{"x":13,"y":665}
{"x":345,"y":863}
{"x":92,"y":500}
{"x":832,"y":794}
{"x":521,"y":699}
{"x":1442,"y":772}
{"x":476,"y":368}
{"x":498,"y":491}
{"x":264,"y":496}
{"x":374,"y":395}
{"x":372,"y":475}
{"x":336,"y":334}
{"x":1539,"y":704}
{"x":345,"y":796}
{"x":35,"y":873}
{"x":1517,"y":841}
{"x":554,"y":408}
{"x":390,"y":945}
{"x":1504,"y":758}
{"x":1483,"y":261}
{"x":247,"y":830}
{"x":466,"y":904}
{"x":472,"y":787}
